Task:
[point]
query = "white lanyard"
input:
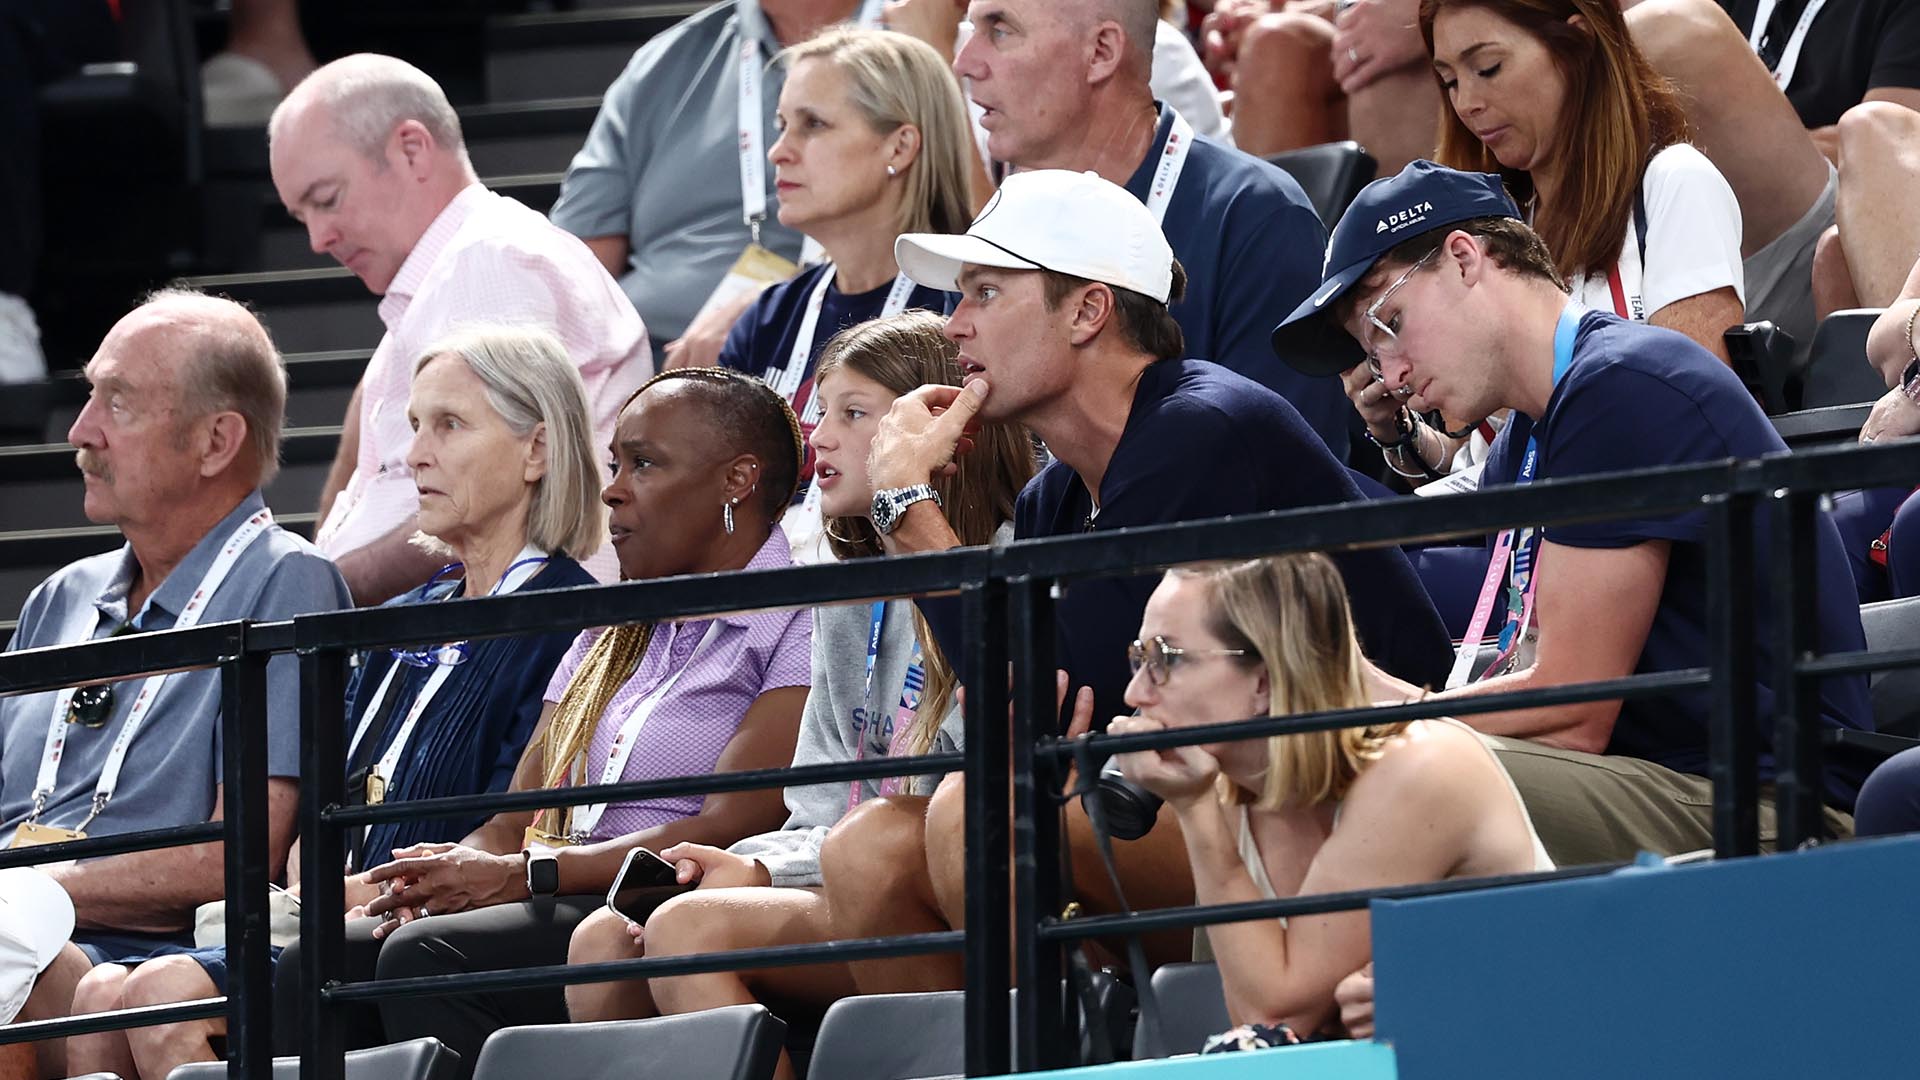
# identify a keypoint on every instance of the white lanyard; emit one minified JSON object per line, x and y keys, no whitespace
{"x":1173,"y":161}
{"x":1789,"y":56}
{"x":529,"y":562}
{"x":787,"y":383}
{"x":237,"y":543}
{"x":753,"y":124}
{"x":585,"y":818}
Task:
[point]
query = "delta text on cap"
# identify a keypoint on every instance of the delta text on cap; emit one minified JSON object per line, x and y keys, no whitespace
{"x":1051,"y":219}
{"x":1422,"y":197}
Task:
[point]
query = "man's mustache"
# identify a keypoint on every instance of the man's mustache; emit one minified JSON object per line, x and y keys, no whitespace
{"x":93,"y":464}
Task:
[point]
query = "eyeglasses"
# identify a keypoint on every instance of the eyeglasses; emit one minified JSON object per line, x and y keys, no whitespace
{"x":1159,"y":658}
{"x":1379,"y":337}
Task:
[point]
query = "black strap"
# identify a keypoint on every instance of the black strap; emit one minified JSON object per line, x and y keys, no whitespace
{"x":1640,"y":228}
{"x":1089,"y":770}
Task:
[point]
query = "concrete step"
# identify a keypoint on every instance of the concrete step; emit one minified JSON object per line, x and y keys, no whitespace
{"x":40,"y":486}
{"x":571,"y":53}
{"x":319,"y":386}
{"x":514,"y":138}
{"x":305,"y":310}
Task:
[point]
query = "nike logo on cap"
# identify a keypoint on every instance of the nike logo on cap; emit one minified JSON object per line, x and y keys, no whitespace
{"x":1326,"y":294}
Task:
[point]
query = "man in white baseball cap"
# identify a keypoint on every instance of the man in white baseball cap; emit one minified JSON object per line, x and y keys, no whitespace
{"x":1065,"y":281}
{"x":36,"y":918}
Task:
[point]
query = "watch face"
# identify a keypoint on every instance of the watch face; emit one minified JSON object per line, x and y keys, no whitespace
{"x":884,"y":512}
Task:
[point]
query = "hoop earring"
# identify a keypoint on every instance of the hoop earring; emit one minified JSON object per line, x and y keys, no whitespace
{"x":726,"y":517}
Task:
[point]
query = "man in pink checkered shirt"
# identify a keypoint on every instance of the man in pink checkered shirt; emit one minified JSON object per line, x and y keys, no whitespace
{"x":367,"y":154}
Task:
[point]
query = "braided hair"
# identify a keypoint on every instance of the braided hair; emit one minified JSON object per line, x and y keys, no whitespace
{"x":760,"y":422}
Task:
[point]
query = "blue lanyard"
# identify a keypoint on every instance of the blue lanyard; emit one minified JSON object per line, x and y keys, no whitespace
{"x":1564,"y":333}
{"x":873,"y":651}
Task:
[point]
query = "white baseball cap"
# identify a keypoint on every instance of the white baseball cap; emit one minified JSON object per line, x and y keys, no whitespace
{"x":1051,"y":219}
{"x":36,"y":919}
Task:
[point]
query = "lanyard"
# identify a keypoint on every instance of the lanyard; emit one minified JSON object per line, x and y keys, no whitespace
{"x":787,"y":382}
{"x":585,"y":818}
{"x":753,"y":123}
{"x":1511,"y":541}
{"x":529,"y":562}
{"x":1789,"y":56}
{"x":237,"y":543}
{"x":903,"y":716}
{"x":1173,"y":161}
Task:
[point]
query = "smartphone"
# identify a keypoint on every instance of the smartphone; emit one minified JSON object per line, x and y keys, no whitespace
{"x":644,"y":882}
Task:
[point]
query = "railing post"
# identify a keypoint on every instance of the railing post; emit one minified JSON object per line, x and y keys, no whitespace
{"x":323,"y":710}
{"x":1799,"y":786}
{"x":1041,"y":1020}
{"x":989,"y":943}
{"x":1733,"y":763}
{"x":243,"y":735}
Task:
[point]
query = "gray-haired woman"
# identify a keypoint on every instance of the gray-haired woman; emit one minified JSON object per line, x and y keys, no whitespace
{"x":510,"y":493}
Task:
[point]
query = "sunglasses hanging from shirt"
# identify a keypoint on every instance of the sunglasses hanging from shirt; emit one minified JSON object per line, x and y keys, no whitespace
{"x":31,"y":833}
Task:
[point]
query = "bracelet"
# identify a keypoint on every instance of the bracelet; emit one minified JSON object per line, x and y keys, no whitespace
{"x":1912,"y":351}
{"x":1401,"y":423}
{"x":1411,"y":443}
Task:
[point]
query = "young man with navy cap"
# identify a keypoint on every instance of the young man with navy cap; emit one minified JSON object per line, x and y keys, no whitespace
{"x":1063,"y":325}
{"x":1434,"y":281}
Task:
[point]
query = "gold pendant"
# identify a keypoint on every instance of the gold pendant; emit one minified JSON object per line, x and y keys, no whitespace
{"x":31,"y":835}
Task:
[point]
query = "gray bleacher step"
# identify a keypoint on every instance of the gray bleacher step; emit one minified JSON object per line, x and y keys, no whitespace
{"x":515,"y":138}
{"x":305,"y":310}
{"x":319,"y":386}
{"x":40,"y":487}
{"x":27,"y":557}
{"x":284,"y":245}
{"x":573,"y":52}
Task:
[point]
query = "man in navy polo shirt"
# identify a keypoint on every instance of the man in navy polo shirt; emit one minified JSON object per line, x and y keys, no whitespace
{"x":1449,"y":295}
{"x":1063,"y":326}
{"x":1065,"y":85}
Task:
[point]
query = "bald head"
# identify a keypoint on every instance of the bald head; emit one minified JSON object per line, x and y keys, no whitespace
{"x":366,"y":96}
{"x":222,"y":360}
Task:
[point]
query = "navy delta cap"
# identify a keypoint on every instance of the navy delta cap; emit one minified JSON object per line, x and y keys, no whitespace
{"x":1387,"y":212}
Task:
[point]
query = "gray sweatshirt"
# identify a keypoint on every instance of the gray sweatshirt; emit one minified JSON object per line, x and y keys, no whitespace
{"x":792,"y":855}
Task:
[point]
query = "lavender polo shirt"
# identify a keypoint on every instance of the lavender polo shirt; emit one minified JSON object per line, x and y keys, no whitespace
{"x":750,"y":655}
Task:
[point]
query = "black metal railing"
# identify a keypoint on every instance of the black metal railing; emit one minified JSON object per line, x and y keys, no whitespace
{"x":1007,"y":603}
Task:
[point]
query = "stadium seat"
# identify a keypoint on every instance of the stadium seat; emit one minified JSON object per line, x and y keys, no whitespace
{"x":1762,"y":355}
{"x":740,"y":1042}
{"x":1837,"y":370}
{"x":1193,"y":1008}
{"x":1894,"y":624}
{"x":415,"y":1059}
{"x":1332,"y":174}
{"x":1815,"y":427}
{"x":847,"y":1049}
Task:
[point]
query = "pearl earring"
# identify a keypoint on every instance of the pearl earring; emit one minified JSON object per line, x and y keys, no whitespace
{"x":891,"y":171}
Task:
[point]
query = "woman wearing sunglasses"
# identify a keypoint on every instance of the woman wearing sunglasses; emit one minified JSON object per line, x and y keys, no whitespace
{"x":1294,"y":815}
{"x":509,"y":495}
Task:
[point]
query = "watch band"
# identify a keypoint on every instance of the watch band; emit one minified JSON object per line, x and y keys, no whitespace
{"x":1910,"y":380}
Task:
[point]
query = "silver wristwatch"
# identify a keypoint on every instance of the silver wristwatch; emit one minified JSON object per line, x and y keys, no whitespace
{"x":890,"y":505}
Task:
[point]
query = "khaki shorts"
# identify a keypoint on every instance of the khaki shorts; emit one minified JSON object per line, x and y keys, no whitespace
{"x":1780,"y":275}
{"x":1594,"y":808}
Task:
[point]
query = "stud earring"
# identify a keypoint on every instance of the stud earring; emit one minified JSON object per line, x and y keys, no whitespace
{"x":726,"y":517}
{"x":891,"y":171}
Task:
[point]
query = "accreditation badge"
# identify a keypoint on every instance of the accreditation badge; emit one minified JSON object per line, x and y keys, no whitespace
{"x":32,"y":835}
{"x":754,"y":270}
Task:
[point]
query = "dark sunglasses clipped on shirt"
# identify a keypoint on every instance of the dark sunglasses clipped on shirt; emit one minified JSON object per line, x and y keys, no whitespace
{"x":92,"y":706}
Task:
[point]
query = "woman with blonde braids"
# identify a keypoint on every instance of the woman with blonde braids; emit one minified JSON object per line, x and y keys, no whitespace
{"x":1299,"y":814}
{"x":880,"y":687}
{"x":704,"y":463}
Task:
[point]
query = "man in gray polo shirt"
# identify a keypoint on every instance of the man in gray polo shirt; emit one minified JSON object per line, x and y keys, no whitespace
{"x":181,"y":431}
{"x":658,"y":191}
